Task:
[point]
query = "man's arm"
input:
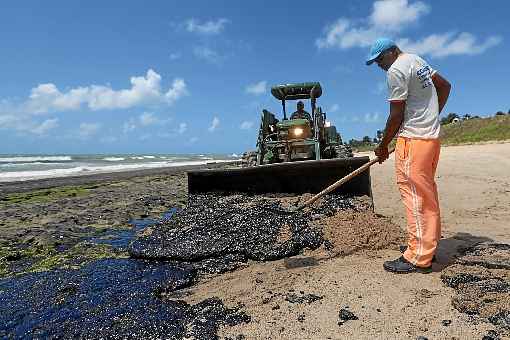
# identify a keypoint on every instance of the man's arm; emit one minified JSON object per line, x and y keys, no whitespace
{"x":393,"y":123}
{"x":442,"y":88}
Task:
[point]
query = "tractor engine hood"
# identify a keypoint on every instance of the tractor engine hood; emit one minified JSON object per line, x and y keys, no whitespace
{"x":290,"y":123}
{"x":295,"y":128}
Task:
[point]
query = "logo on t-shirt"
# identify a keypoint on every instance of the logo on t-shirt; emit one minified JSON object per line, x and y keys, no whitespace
{"x":423,"y":75}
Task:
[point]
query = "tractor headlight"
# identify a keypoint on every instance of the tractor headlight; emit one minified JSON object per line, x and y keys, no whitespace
{"x":297,"y":131}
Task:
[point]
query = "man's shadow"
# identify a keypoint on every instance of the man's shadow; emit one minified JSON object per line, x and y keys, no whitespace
{"x":450,"y":248}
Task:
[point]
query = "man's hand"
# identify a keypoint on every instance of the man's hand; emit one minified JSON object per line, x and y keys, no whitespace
{"x":381,"y":151}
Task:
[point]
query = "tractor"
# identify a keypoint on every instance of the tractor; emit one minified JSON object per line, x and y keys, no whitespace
{"x":302,"y":154}
{"x":309,"y":137}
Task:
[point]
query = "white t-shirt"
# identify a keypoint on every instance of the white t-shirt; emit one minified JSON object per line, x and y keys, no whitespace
{"x":410,"y":78}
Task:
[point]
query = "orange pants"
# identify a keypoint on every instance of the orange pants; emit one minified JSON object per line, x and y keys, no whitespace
{"x":415,"y":164}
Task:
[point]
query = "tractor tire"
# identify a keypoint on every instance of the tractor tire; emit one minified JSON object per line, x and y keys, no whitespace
{"x":343,"y":151}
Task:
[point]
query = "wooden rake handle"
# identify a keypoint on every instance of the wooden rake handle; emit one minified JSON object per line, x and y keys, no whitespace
{"x":341,"y":181}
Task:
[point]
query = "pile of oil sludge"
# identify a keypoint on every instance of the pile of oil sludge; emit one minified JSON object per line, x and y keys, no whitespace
{"x":481,"y":279}
{"x":236,"y":228}
{"x":128,"y":298}
{"x":109,"y":299}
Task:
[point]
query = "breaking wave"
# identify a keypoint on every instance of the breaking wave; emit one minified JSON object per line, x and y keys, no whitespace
{"x":12,"y":176}
{"x":31,"y":159}
{"x":113,"y":159}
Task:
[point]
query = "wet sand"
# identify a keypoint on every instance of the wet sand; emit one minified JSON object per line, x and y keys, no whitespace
{"x":473,"y":183}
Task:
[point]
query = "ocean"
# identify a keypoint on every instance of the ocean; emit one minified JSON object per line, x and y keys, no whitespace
{"x":28,"y":167}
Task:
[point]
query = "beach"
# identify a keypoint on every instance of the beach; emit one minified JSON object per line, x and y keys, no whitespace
{"x":60,"y":213}
{"x":473,"y":184}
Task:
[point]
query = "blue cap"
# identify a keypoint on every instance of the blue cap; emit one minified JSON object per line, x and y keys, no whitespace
{"x":378,"y":47}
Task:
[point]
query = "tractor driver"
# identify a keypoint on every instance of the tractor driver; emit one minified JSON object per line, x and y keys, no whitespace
{"x":301,"y":113}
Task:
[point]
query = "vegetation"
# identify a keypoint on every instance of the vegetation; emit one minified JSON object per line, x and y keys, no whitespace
{"x":75,"y":257}
{"x":47,"y":195}
{"x":366,"y":143}
{"x":456,"y":129}
{"x":449,"y":118}
{"x":363,"y":147}
{"x":476,"y":130}
{"x":44,"y":258}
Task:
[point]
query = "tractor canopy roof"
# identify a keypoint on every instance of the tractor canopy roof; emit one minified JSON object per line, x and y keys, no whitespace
{"x":297,"y":91}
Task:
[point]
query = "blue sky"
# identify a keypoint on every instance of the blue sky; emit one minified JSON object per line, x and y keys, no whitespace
{"x":193,"y":76}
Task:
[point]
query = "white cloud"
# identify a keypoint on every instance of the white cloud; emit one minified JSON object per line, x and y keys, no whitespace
{"x":246,"y":125}
{"x":145,"y":90}
{"x":447,"y":44}
{"x":257,"y":88}
{"x":45,"y":97}
{"x":210,"y":27}
{"x":7,"y":121}
{"x":390,"y":18}
{"x":44,"y":127}
{"x":387,"y":17}
{"x":214,"y":124}
{"x":207,"y":54}
{"x":177,"y":91}
{"x":147,"y":119}
{"x":143,"y":120}
{"x":343,"y":35}
{"x":182,"y":128}
{"x":334,"y":108}
{"x":371,"y":118}
{"x":26,"y":124}
{"x":88,"y":129}
{"x":393,"y":14}
{"x":193,"y":140}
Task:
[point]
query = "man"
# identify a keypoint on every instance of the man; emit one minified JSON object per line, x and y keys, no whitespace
{"x":417,"y":94}
{"x":300,"y":113}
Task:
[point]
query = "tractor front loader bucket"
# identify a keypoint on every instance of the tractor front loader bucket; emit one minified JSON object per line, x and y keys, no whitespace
{"x":310,"y":176}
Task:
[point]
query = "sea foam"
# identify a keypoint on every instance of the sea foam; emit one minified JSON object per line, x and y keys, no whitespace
{"x":14,"y":176}
{"x":29,"y":159}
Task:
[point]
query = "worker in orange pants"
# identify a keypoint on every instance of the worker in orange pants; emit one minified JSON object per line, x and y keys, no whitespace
{"x":416,"y":163}
{"x":417,"y":94}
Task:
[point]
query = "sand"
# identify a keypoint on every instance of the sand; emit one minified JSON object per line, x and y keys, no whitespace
{"x":474,"y":189}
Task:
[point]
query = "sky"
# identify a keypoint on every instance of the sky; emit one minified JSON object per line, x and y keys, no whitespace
{"x":193,"y":77}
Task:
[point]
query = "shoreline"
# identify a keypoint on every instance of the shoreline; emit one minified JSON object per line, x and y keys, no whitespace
{"x":46,"y":183}
{"x":101,"y":177}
